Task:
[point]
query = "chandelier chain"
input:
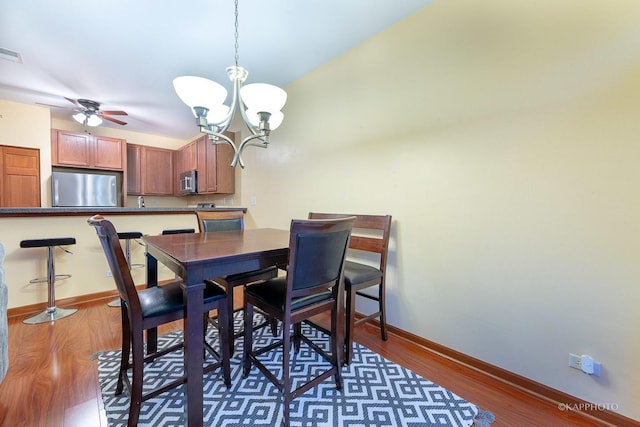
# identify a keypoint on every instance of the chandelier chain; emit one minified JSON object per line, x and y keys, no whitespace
{"x":236,"y":33}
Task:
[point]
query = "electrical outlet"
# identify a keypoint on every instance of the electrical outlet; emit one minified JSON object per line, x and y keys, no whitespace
{"x":108,"y":274}
{"x":585,"y":363}
{"x":575,"y":361}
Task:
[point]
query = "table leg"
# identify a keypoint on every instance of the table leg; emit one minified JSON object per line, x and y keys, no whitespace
{"x":193,"y":351}
{"x":230,"y":330}
{"x":152,"y":280}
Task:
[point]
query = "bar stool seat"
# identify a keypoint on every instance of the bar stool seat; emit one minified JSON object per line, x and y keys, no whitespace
{"x":127,"y":236}
{"x":179,"y":230}
{"x":52,"y":312}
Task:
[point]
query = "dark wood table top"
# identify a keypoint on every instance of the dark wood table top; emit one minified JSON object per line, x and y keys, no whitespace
{"x":219,"y":253}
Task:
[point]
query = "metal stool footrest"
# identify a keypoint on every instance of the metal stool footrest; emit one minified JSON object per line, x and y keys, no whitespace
{"x":45,"y":279}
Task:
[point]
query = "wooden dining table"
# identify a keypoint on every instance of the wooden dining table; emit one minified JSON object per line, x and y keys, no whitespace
{"x":199,"y":256}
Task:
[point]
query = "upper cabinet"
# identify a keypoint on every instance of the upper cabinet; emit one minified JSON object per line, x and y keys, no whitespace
{"x":149,"y":170}
{"x":215,"y":174}
{"x":134,"y":174}
{"x":20,"y":173}
{"x":87,"y":151}
{"x":187,"y":158}
{"x":156,"y":171}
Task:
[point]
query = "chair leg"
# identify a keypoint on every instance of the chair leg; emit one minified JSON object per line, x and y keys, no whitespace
{"x":286,"y":380}
{"x":273,"y":323}
{"x":297,"y":336}
{"x":126,"y":350}
{"x":137,"y":378}
{"x":337,"y":345}
{"x":383,"y":311}
{"x":350,"y":315}
{"x":248,"y":338}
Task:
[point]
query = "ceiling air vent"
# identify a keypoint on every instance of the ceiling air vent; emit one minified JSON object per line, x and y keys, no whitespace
{"x":10,"y":55}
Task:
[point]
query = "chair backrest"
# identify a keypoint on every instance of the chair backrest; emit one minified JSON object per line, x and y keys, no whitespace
{"x":370,"y":233}
{"x":117,"y":262}
{"x":220,"y":220}
{"x":317,"y":250}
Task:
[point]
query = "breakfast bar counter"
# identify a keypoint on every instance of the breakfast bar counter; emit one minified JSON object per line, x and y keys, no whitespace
{"x":85,"y":262}
{"x":24,"y":212}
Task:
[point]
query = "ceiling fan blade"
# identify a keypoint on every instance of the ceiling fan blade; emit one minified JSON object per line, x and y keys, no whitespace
{"x":114,"y":113}
{"x":55,"y":106}
{"x":111,"y":119}
{"x":73,"y":101}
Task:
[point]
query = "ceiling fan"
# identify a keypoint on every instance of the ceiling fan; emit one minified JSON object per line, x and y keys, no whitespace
{"x":88,"y":112}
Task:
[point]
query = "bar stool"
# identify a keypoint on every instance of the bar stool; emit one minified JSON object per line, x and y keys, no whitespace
{"x":52,"y":312}
{"x":127,"y":236}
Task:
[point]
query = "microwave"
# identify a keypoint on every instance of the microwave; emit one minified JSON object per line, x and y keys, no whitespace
{"x":188,"y":183}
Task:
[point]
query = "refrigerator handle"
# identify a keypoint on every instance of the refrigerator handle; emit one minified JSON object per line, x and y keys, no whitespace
{"x":56,"y":198}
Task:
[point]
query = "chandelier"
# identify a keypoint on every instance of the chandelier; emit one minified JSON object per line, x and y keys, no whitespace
{"x":258,"y":103}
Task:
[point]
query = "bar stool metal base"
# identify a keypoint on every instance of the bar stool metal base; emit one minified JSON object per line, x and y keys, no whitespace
{"x":127,"y":236}
{"x":50,"y":315}
{"x":45,"y":279}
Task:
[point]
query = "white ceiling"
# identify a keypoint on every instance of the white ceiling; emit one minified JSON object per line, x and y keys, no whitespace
{"x":125,"y":54}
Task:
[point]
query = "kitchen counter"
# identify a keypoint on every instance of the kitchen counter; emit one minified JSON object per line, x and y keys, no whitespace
{"x":86,"y":262}
{"x":29,"y":212}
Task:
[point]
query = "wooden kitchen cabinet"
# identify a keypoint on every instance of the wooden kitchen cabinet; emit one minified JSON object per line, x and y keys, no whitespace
{"x":150,"y":170}
{"x":134,"y":178}
{"x":215,"y":175}
{"x":87,"y":151}
{"x":20,"y":172}
{"x":187,"y":158}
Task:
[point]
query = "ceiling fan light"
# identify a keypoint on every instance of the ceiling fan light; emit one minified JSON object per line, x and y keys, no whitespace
{"x":79,"y":117}
{"x":199,"y":92}
{"x":94,"y":120}
{"x":263,"y":97}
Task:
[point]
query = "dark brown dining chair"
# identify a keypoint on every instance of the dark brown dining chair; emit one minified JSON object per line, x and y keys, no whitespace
{"x":216,"y":221}
{"x":220,"y":220}
{"x":313,"y":285}
{"x":147,"y":309}
{"x":370,"y":236}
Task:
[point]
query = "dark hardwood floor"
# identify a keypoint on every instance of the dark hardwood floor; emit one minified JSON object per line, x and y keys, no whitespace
{"x":52,"y":379}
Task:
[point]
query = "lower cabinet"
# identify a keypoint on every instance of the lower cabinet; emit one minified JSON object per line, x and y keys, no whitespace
{"x":149,"y":170}
{"x":20,"y":173}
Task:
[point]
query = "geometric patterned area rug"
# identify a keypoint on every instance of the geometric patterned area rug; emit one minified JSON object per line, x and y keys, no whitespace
{"x":376,"y":392}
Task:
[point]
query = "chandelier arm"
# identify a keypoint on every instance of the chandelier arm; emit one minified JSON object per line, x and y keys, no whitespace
{"x":248,"y":141}
{"x":219,"y":138}
{"x":255,"y":130}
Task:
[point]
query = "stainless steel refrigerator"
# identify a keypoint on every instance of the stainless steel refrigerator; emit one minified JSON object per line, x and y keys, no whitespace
{"x":84,"y":189}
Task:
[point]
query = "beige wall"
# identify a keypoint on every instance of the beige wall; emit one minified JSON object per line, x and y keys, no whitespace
{"x":29,"y":126}
{"x":503,"y":138}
